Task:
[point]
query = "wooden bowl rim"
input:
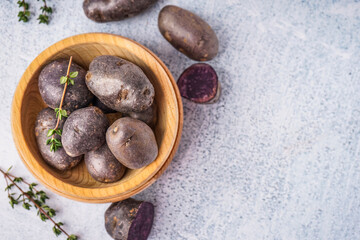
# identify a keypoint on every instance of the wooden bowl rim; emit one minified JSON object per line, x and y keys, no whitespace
{"x":16,"y":117}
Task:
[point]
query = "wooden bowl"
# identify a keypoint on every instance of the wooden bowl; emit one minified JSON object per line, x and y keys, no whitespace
{"x":77,"y":184}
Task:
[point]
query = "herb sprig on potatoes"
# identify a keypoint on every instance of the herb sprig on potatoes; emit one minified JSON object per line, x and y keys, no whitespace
{"x":60,"y":113}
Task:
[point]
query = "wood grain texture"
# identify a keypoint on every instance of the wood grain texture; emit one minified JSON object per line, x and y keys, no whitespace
{"x":77,"y":183}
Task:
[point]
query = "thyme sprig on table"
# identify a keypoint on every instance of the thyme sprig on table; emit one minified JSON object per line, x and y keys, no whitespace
{"x":55,"y":143}
{"x":45,"y":13}
{"x":24,"y":14}
{"x":32,"y":198}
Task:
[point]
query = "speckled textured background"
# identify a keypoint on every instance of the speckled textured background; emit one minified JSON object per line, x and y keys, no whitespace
{"x":276,"y":158}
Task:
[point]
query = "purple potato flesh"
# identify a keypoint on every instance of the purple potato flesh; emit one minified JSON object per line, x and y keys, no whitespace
{"x":129,"y":219}
{"x":199,"y":83}
{"x":46,"y":120}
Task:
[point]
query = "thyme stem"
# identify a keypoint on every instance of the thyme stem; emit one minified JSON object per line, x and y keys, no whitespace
{"x":6,"y":176}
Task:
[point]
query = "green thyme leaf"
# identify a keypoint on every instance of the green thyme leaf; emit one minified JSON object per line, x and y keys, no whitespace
{"x":30,"y":194}
{"x":18,"y":179}
{"x":64,"y":113}
{"x":50,"y":132}
{"x":26,"y":206}
{"x":72,"y":237}
{"x":32,"y":185}
{"x":63,"y":80}
{"x":74,"y":74}
{"x":59,"y":132}
{"x":43,"y":19}
{"x":9,"y":187}
{"x":43,"y":217}
{"x":56,"y":231}
{"x":51,"y":213}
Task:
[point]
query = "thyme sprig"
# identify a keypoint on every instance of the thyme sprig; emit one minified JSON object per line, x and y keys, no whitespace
{"x":45,"y":13}
{"x":24,"y":14}
{"x":55,"y":143}
{"x":35,"y":197}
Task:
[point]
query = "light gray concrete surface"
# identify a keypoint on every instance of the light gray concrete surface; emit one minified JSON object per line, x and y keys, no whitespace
{"x":276,"y":158}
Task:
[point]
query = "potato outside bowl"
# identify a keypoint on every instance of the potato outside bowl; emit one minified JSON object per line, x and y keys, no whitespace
{"x":77,"y":183}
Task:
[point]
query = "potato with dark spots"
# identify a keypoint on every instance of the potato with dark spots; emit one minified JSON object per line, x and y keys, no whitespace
{"x":149,"y":116}
{"x":102,"y":106}
{"x":199,"y":83}
{"x":114,"y":10}
{"x":120,"y":84}
{"x":129,"y":219}
{"x":103,"y":166}
{"x":76,"y":96}
{"x":188,"y":33}
{"x":84,"y":131}
{"x":132,"y":142}
{"x":46,"y":120}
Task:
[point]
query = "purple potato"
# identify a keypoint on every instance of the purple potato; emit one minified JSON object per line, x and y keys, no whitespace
{"x":129,"y":219}
{"x":103,"y":166}
{"x":114,"y":10}
{"x":120,"y":84}
{"x":199,"y":83}
{"x":84,"y":131}
{"x":76,"y":96}
{"x":132,"y":142}
{"x":188,"y":33}
{"x":46,"y":120}
{"x":149,"y":116}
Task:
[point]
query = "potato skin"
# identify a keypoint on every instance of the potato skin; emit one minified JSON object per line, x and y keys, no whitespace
{"x":114,"y":10}
{"x":76,"y":96}
{"x":84,"y":131}
{"x":149,"y":116}
{"x":46,"y":120}
{"x":132,"y":142}
{"x":129,"y":219}
{"x":103,"y":166}
{"x":119,"y":84}
{"x":188,"y":33}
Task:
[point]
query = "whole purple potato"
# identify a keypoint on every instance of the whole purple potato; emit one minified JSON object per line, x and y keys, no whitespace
{"x":132,"y":142}
{"x":188,"y":33}
{"x":76,"y":96}
{"x":119,"y":84}
{"x":103,"y":166}
{"x":114,"y":10}
{"x":129,"y":219}
{"x":46,"y":120}
{"x":84,"y":131}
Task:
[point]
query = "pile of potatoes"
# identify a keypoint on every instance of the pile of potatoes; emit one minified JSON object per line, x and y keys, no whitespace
{"x":111,"y":87}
